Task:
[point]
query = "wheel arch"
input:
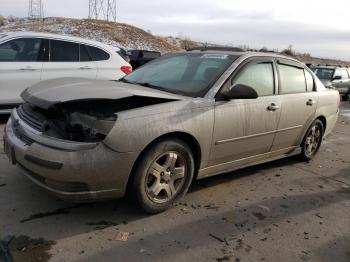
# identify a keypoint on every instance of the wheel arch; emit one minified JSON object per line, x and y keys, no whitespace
{"x":323,"y":120}
{"x":187,"y":138}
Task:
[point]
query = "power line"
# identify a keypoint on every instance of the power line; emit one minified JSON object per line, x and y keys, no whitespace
{"x":103,"y":9}
{"x":36,"y":9}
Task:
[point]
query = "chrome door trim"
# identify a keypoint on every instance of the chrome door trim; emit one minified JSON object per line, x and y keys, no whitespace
{"x":220,"y":142}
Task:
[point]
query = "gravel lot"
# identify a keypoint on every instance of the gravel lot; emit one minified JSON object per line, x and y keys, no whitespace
{"x":280,"y":211}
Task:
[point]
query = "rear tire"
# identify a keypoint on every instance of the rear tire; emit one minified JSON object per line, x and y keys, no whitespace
{"x":163,"y":175}
{"x":312,"y":140}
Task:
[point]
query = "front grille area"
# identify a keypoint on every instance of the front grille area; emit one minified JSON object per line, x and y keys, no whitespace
{"x":31,"y":117}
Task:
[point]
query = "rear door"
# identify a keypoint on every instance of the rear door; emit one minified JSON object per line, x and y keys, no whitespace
{"x":20,"y":67}
{"x":299,"y":102}
{"x":68,"y":59}
{"x":246,"y":127}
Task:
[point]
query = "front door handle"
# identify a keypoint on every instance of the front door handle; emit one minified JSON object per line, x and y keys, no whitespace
{"x":273,"y":107}
{"x":28,"y":68}
{"x":310,"y":102}
{"x":85,"y":67}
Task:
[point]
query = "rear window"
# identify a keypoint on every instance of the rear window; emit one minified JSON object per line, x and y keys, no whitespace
{"x":292,"y":79}
{"x":62,"y":51}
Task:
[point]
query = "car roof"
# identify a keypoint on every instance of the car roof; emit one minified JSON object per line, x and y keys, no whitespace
{"x":59,"y":37}
{"x":244,"y":53}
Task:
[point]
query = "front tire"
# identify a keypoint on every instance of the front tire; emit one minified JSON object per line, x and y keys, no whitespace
{"x":163,"y":175}
{"x":312,"y":140}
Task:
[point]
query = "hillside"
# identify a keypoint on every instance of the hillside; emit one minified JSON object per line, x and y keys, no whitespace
{"x":117,"y":34}
{"x":124,"y":35}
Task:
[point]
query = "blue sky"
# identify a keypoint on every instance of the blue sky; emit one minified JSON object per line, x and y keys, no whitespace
{"x":317,"y":27}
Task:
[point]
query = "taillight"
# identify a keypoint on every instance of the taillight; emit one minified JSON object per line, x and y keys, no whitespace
{"x":126,"y":69}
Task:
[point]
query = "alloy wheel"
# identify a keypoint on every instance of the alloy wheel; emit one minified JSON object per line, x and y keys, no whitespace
{"x":313,"y":140}
{"x":165,"y":177}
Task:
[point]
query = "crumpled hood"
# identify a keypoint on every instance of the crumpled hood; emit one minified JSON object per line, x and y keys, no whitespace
{"x":61,"y":90}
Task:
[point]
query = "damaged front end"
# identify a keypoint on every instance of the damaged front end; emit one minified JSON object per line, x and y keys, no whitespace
{"x":87,"y":121}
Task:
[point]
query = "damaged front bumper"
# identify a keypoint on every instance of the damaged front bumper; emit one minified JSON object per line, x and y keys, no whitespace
{"x":72,"y":171}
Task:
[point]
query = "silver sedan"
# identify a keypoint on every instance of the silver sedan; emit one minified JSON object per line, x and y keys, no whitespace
{"x":182,"y":117}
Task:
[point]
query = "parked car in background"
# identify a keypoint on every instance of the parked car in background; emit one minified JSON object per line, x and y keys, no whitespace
{"x":124,"y":54}
{"x":181,"y":117}
{"x":27,"y":58}
{"x":334,"y":77}
{"x":140,"y":57}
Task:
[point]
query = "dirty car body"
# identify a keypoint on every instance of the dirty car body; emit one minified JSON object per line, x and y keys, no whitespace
{"x":82,"y":139}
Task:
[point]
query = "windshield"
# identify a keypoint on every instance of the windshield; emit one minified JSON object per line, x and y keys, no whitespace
{"x":189,"y":74}
{"x":324,"y":73}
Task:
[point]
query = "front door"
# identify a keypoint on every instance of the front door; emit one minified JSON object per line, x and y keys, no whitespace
{"x":20,"y":67}
{"x":246,"y":127}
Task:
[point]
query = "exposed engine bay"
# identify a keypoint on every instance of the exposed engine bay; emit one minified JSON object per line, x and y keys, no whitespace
{"x":81,"y":121}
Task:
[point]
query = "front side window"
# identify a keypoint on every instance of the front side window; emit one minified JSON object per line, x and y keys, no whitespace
{"x":292,"y":79}
{"x":258,"y":76}
{"x":62,"y":51}
{"x":20,"y":50}
{"x":190,"y":74}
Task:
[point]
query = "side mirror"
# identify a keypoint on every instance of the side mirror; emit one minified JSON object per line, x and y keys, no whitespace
{"x":240,"y":92}
{"x":336,"y":78}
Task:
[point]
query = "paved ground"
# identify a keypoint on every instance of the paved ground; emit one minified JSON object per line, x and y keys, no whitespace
{"x":281,"y":211}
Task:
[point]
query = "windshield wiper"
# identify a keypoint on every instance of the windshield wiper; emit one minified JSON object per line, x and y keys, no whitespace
{"x":146,"y":84}
{"x":161,"y":88}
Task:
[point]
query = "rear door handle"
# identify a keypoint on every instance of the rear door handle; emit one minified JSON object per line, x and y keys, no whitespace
{"x":85,"y":67}
{"x":310,"y":102}
{"x":273,"y":107}
{"x":28,"y":68}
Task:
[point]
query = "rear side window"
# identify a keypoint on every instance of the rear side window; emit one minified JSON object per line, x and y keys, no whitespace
{"x":21,"y":50}
{"x":62,"y":51}
{"x":259,"y":77}
{"x":97,"y":54}
{"x":84,"y":54}
{"x":309,"y":81}
{"x":292,"y":79}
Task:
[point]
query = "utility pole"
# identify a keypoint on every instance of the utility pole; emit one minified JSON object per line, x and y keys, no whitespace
{"x":36,"y":10}
{"x":103,"y":9}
